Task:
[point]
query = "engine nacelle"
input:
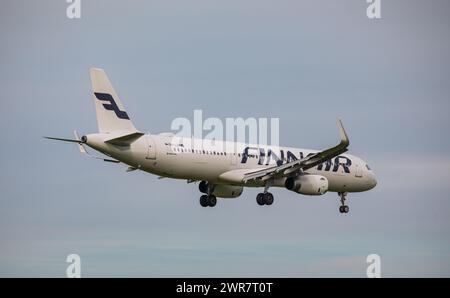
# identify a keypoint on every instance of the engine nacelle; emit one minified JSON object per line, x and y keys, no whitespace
{"x":313,"y":185}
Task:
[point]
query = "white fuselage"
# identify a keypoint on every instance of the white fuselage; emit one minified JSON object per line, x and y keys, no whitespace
{"x":225,"y":162}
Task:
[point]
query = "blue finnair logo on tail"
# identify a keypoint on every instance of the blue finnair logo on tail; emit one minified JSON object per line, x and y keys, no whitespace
{"x":112,"y":106}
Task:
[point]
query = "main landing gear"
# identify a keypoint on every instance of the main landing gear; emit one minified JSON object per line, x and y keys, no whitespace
{"x":264,"y":198}
{"x":207,"y":200}
{"x":343,"y":208}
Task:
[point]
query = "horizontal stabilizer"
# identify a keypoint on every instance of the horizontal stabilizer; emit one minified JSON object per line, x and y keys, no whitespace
{"x":119,"y":138}
{"x":64,"y":140}
{"x":81,"y":147}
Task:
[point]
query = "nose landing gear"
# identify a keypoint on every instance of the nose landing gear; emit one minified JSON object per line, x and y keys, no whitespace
{"x":343,"y":208}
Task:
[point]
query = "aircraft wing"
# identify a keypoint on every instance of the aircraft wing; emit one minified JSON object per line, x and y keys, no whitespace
{"x":304,"y":163}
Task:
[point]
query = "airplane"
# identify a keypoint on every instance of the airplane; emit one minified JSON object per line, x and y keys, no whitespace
{"x":224,"y":172}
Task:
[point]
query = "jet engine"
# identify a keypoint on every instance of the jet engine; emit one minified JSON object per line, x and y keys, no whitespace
{"x":312,"y":185}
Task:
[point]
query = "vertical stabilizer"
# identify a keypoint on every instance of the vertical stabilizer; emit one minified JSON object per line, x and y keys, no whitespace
{"x":111,"y":114}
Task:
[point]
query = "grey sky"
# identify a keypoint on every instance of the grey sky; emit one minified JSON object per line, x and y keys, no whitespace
{"x":306,"y":62}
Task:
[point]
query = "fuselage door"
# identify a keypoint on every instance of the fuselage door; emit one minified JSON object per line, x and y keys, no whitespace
{"x":151,"y":148}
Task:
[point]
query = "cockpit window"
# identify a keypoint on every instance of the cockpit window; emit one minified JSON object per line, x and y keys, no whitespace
{"x":367,"y":166}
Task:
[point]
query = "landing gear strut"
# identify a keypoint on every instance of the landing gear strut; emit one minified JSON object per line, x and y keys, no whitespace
{"x":264,"y":198}
{"x":343,"y":208}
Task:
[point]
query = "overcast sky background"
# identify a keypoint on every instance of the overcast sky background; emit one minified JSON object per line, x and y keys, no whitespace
{"x":306,"y":62}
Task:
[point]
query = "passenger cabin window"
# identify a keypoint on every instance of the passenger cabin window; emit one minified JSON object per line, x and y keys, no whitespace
{"x":367,"y":166}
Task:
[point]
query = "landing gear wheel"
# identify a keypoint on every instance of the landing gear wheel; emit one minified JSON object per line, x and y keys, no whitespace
{"x":204,"y":202}
{"x":268,"y":198}
{"x":343,"y":209}
{"x":212,"y":200}
{"x":260,"y":199}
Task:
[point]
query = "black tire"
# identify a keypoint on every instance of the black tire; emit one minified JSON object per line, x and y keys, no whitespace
{"x":260,"y":199}
{"x":341,"y":209}
{"x":204,"y":202}
{"x":203,"y":187}
{"x":212,"y":200}
{"x":346,"y":209}
{"x":268,"y":198}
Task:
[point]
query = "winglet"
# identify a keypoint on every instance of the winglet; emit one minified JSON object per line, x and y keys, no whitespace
{"x":344,"y":138}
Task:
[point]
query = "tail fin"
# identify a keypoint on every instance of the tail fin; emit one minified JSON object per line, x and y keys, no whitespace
{"x":111,"y":115}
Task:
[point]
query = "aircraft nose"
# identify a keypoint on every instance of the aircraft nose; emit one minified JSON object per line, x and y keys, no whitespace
{"x":372,"y":180}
